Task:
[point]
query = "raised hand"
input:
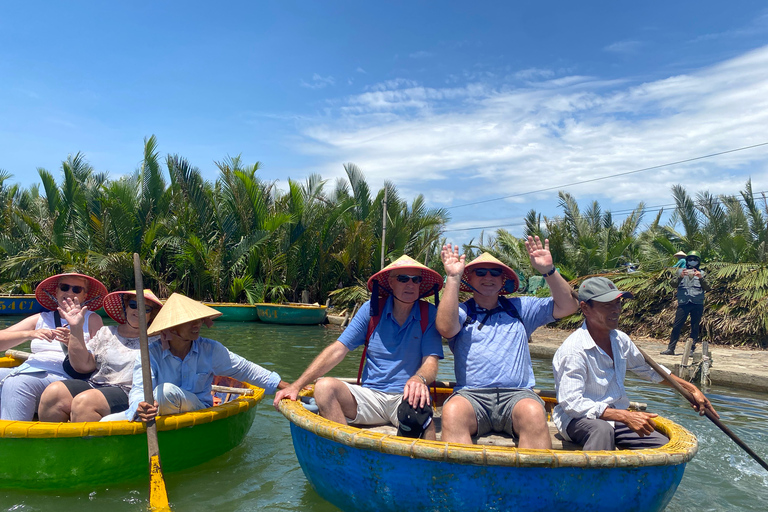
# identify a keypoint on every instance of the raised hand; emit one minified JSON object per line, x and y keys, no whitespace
{"x":452,"y":262}
{"x":541,"y":258}
{"x":73,"y":312}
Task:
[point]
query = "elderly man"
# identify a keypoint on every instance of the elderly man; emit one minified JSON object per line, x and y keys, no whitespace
{"x":489,"y":338}
{"x":589,"y":370}
{"x":402,"y":348}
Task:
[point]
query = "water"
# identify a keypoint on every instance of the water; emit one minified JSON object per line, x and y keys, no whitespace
{"x":263,"y":474}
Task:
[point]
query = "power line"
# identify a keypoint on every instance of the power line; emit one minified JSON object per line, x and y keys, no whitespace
{"x":609,"y":176}
{"x":627,"y":211}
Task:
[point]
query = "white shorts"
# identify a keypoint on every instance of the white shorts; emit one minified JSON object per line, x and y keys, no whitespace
{"x":374,"y":407}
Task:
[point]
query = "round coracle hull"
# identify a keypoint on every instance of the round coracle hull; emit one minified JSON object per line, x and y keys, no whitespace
{"x":359,"y":470}
{"x":38,"y":455}
{"x":232,"y":312}
{"x":291,"y":314}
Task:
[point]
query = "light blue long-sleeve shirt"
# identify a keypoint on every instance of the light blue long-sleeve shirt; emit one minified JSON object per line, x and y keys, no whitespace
{"x":195,"y":372}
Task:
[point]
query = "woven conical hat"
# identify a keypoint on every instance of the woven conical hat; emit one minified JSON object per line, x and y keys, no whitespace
{"x":429,"y":278}
{"x":179,"y":309}
{"x":485,"y":260}
{"x":113,"y":303}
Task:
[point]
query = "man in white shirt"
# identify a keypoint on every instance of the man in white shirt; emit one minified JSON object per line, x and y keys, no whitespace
{"x":589,"y":370}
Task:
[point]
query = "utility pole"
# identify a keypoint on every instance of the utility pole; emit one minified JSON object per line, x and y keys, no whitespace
{"x":384,"y":227}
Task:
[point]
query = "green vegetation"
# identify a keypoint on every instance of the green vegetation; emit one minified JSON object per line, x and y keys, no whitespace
{"x":244,"y":239}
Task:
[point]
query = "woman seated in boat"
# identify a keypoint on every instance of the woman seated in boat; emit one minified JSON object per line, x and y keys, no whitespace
{"x":183,"y":363}
{"x":108,"y":358}
{"x":23,"y":385}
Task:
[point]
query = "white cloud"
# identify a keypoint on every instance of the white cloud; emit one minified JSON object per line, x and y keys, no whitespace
{"x":319,"y":82}
{"x":463,"y":143}
{"x":624,"y":47}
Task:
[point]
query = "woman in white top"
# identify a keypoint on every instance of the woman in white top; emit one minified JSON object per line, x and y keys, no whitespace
{"x":23,"y":385}
{"x":108,"y":357}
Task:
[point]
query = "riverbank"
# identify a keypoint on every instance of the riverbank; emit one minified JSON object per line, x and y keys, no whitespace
{"x":732,"y":367}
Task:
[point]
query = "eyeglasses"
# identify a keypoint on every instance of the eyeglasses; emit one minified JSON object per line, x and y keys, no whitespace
{"x":75,"y":289}
{"x":402,"y":278}
{"x":495,"y":272}
{"x":134,"y":305}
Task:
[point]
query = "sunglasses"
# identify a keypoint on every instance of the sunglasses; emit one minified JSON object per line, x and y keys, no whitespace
{"x":402,"y":278}
{"x":495,"y":272}
{"x":134,"y":305}
{"x":75,"y":289}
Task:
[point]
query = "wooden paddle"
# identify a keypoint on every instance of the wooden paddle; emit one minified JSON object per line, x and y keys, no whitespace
{"x":158,"y":496}
{"x":714,"y":419}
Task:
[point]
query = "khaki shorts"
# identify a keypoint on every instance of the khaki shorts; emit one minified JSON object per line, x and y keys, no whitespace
{"x":374,"y":407}
{"x":493,"y":407}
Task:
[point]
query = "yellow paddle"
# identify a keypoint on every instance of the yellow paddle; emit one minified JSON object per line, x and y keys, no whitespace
{"x":158,"y":496}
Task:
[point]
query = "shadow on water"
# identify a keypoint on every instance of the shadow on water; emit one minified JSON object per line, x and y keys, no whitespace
{"x":263,"y":473}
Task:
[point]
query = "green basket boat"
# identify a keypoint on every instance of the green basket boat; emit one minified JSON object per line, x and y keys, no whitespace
{"x":47,"y":456}
{"x":291,"y":314}
{"x":234,"y":312}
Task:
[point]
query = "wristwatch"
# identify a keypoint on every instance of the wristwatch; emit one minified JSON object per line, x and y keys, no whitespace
{"x":554,"y":268}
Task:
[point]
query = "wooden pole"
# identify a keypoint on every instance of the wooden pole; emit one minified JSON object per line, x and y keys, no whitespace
{"x":384,"y":227}
{"x":714,"y":419}
{"x":158,"y":496}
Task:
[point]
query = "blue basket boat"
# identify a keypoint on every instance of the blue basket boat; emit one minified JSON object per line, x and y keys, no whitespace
{"x":364,"y":470}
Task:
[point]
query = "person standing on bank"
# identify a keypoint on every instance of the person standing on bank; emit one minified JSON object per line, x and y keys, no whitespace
{"x":691,"y":285}
{"x":488,"y":336}
{"x":401,"y":355}
{"x":589,"y":369}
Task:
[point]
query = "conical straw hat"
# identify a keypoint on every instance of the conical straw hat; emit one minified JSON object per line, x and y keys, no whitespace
{"x":180,"y":309}
{"x":113,"y":303}
{"x":429,"y":278}
{"x":485,"y":260}
{"x":45,"y":293}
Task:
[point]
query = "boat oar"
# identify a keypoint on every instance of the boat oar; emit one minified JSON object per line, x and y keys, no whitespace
{"x":714,"y":419}
{"x":158,"y":496}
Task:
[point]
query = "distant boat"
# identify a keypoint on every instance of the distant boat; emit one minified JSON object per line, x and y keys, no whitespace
{"x":19,"y":305}
{"x":234,"y":312}
{"x":48,"y":456}
{"x":375,"y":470}
{"x":291,"y":313}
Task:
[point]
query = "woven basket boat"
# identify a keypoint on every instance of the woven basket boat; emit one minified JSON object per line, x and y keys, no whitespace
{"x":38,"y":455}
{"x":375,"y":470}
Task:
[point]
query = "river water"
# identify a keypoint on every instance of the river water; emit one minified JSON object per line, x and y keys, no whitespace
{"x":263,"y":473}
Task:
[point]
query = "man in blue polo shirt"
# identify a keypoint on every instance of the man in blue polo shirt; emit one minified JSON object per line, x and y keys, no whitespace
{"x":401,"y":355}
{"x":489,"y":335}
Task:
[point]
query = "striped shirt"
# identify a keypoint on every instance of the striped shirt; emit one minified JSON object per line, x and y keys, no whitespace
{"x":588,"y":381}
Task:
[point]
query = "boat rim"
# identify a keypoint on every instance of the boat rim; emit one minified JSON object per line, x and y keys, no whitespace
{"x":680,"y":449}
{"x":305,"y":306}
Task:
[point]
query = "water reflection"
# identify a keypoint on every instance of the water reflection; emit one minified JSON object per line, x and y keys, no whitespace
{"x":263,"y":473}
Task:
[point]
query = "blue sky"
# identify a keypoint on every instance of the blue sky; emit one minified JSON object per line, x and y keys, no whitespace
{"x":460,"y":101}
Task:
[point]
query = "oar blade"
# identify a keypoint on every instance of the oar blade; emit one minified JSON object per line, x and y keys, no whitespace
{"x":158,"y":496}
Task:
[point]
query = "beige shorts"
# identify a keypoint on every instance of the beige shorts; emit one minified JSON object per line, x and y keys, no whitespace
{"x":374,"y":407}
